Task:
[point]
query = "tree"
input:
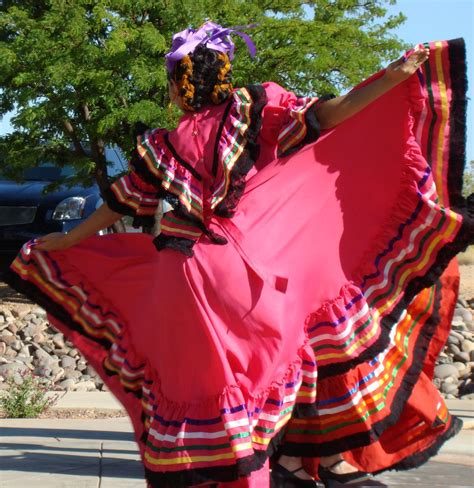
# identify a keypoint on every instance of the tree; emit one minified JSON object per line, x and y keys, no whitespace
{"x":468,"y":180}
{"x":81,"y":73}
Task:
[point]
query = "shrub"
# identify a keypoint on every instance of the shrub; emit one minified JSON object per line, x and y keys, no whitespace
{"x":27,"y":399}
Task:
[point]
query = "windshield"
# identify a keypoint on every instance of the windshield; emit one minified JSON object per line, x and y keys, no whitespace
{"x":47,"y":172}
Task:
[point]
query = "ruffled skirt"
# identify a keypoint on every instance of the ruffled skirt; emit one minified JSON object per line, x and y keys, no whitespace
{"x":310,"y":330}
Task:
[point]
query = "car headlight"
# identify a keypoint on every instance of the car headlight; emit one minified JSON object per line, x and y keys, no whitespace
{"x":70,"y":209}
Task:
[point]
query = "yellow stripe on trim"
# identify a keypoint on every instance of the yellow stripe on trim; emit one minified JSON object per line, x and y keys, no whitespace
{"x":187,"y":459}
{"x":444,"y":119}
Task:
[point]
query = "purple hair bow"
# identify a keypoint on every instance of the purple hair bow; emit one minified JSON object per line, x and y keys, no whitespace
{"x":212,"y":35}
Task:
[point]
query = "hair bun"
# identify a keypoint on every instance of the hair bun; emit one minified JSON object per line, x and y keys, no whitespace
{"x":203,"y":77}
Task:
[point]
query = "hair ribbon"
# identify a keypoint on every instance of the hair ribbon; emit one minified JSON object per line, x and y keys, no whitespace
{"x":212,"y":35}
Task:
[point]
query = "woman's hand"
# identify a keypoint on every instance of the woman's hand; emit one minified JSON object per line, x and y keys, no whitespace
{"x":402,"y":69}
{"x":57,"y":241}
{"x":102,"y":218}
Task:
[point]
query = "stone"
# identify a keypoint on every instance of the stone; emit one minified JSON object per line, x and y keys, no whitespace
{"x":73,"y":353}
{"x":16,"y":345}
{"x":25,"y":350}
{"x":72,"y":374}
{"x":90,"y":371}
{"x":28,"y":360}
{"x":10,"y":369}
{"x":85,"y":386}
{"x":8,"y":339}
{"x":57,"y":375}
{"x":30,"y":330}
{"x":462,"y":357}
{"x":39,"y":312}
{"x":3,"y":348}
{"x":42,"y":370}
{"x":68,"y":362}
{"x":471,"y":355}
{"x":68,"y":384}
{"x":461,"y":367}
{"x":39,"y":338}
{"x":454,"y":349}
{"x":467,"y":345}
{"x":10,"y":353}
{"x":444,"y":370}
{"x":453,"y":340}
{"x":58,"y":340}
{"x":462,"y":301}
{"x":466,"y":315}
{"x":457,"y":335}
{"x":13,"y":328}
{"x":81,"y":365}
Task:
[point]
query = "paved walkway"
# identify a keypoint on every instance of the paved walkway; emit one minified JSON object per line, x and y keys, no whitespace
{"x":102,"y":453}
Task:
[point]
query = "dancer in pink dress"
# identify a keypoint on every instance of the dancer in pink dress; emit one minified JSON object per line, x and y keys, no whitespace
{"x":284,"y":262}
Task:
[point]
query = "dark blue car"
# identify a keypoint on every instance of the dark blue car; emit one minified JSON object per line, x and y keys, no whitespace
{"x":26,"y":212}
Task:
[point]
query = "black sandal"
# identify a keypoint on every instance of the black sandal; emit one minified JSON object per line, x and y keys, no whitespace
{"x":284,"y":478}
{"x":332,"y":479}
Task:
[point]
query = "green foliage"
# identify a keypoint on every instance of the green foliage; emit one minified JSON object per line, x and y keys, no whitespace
{"x":81,"y":73}
{"x":25,"y":400}
{"x":468,"y":180}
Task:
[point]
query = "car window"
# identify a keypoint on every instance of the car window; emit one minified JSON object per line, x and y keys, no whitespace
{"x":47,"y":172}
{"x":117,"y":164}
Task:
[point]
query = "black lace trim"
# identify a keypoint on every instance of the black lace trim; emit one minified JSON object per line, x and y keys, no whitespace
{"x":416,"y":460}
{"x":181,"y":244}
{"x":457,"y":121}
{"x":227,"y":207}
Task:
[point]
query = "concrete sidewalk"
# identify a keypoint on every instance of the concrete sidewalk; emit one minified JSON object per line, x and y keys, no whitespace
{"x":57,"y":453}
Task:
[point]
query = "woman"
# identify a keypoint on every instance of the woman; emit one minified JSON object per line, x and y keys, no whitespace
{"x":282,"y":260}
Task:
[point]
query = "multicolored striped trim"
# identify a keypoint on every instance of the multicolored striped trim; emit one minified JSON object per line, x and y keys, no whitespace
{"x":130,"y":195}
{"x":236,"y":149}
{"x":302,"y":127}
{"x":233,"y":431}
{"x":343,"y":331}
{"x":174,"y":226}
{"x":355,"y":408}
{"x":161,"y":166}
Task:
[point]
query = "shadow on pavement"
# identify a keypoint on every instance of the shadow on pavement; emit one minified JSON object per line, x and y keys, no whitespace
{"x":99,"y":435}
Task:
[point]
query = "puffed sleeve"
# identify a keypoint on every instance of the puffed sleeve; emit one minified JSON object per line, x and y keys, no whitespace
{"x":130,"y":195}
{"x":158,"y":173}
{"x":289,"y":121}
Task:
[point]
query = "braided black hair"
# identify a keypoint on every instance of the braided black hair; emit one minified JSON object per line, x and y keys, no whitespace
{"x":203,"y":77}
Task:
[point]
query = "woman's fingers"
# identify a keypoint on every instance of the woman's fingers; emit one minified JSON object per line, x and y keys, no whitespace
{"x":50,"y":242}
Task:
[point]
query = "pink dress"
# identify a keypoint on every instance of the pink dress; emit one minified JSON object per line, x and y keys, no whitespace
{"x":272,"y":303}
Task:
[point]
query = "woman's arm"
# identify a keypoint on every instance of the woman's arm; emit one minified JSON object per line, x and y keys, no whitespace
{"x":102,"y":218}
{"x":336,"y":110}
